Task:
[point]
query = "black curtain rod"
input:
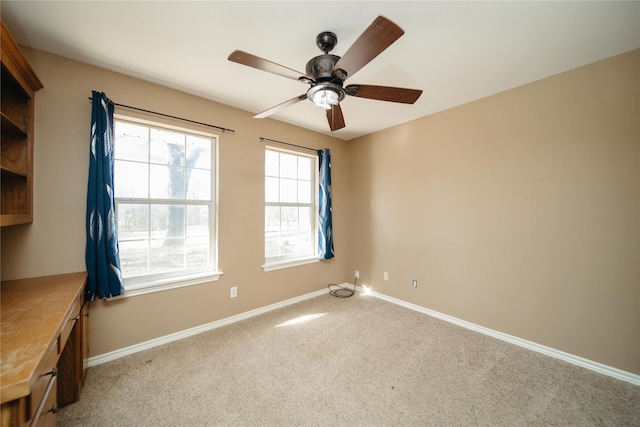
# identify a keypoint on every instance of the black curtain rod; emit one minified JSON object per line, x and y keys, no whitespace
{"x":286,"y":143}
{"x":171,"y":117}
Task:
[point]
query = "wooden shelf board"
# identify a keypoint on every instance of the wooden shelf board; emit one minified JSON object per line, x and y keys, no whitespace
{"x":10,"y":126}
{"x":15,"y":219}
{"x":9,"y":170}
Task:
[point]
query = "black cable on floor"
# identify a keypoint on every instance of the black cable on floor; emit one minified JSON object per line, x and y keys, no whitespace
{"x":342,"y":292}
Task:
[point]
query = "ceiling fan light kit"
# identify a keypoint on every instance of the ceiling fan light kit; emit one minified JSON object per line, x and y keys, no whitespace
{"x":326,"y":95}
{"x":326,"y":73}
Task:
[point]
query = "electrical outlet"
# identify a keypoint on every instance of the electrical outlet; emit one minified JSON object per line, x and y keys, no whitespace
{"x":386,"y":276}
{"x":357,"y":274}
{"x":234,"y":292}
{"x":414,"y":283}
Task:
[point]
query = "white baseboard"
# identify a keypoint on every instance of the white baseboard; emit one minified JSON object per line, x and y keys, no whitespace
{"x":116,"y":354}
{"x":567,"y":357}
{"x":548,"y":351}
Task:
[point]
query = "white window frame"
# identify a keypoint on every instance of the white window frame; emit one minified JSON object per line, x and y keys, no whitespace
{"x":287,"y":262}
{"x":164,"y":281}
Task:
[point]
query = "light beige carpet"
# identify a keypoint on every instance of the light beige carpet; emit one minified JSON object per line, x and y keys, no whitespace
{"x":358,"y":361}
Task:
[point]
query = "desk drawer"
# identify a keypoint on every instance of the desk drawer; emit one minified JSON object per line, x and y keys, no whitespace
{"x":69,"y":324}
{"x":46,"y":412}
{"x":47,"y":371}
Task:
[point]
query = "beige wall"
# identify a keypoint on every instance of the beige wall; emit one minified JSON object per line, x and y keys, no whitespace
{"x":55,"y":242}
{"x":519,"y":212}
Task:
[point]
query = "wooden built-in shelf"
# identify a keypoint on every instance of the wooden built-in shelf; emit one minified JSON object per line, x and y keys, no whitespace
{"x":19,"y":84}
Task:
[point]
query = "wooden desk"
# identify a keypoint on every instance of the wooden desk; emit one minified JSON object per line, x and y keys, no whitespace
{"x":44,"y":345}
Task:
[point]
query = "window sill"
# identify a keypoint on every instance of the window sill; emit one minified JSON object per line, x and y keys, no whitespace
{"x":167,"y":283}
{"x":278,"y":265}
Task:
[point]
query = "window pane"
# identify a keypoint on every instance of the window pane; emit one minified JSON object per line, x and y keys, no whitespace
{"x":166,"y":255}
{"x":271,"y":244}
{"x":289,"y":218}
{"x":197,"y":252}
{"x":272,"y":218}
{"x":134,"y":258}
{"x":158,"y":151}
{"x":304,"y":192}
{"x":198,"y":184}
{"x":131,"y":179}
{"x":167,"y":238}
{"x":131,"y":142}
{"x":197,"y":221}
{"x":304,"y":218}
{"x":296,"y":244}
{"x":198,"y":152}
{"x":288,"y":191}
{"x":288,"y":243}
{"x":158,"y":221}
{"x":133,"y":234}
{"x":271,"y":163}
{"x":271,"y":189}
{"x":167,"y":147}
{"x":176,"y":185}
{"x":304,"y":168}
{"x":197,"y":243}
{"x":288,"y":165}
{"x":133,"y":221}
{"x":159,"y":176}
{"x":305,"y":243}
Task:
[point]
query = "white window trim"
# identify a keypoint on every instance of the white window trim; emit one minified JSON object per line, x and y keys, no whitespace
{"x":279,"y":264}
{"x":167,"y":283}
{"x":142,"y":285}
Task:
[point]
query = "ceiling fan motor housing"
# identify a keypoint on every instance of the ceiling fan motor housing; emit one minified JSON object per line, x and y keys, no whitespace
{"x":319,"y":68}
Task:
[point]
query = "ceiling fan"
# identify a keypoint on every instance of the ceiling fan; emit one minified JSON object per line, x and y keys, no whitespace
{"x":326,"y":73}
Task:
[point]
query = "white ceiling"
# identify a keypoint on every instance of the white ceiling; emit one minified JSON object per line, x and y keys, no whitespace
{"x":455,"y":52}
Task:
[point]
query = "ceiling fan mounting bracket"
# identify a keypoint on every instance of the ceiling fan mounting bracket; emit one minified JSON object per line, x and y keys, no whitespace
{"x":326,"y":41}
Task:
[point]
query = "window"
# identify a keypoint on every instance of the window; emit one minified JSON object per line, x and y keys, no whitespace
{"x":165,"y":182}
{"x":290,"y":208}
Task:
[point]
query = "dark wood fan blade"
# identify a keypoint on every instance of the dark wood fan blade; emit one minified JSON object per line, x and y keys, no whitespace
{"x":253,"y":61}
{"x":376,"y":38}
{"x":279,"y":107}
{"x":335,"y":118}
{"x":384,"y":93}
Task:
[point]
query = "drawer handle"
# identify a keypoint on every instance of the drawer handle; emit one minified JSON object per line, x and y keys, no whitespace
{"x":52,"y":372}
{"x":54,"y":409}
